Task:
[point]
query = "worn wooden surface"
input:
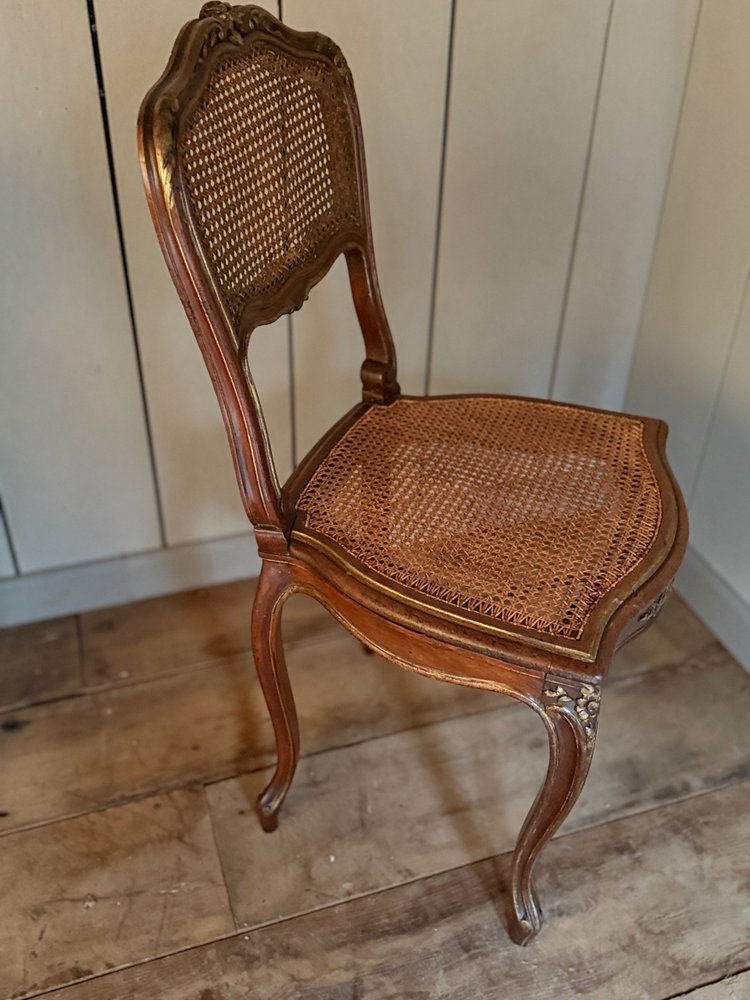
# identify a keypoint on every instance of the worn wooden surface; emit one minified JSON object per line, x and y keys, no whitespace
{"x":39,"y":661}
{"x":731,"y":988}
{"x":386,"y":877}
{"x":182,"y":631}
{"x":640,"y":908}
{"x":84,"y":753}
{"x":93,"y":893}
{"x":133,"y":739}
{"x":422,"y":801}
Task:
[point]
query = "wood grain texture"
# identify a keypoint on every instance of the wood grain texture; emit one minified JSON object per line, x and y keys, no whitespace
{"x":522,"y":101}
{"x":398,"y":56}
{"x":182,"y":631}
{"x":196,"y":479}
{"x":70,"y":395}
{"x":611,"y":885}
{"x":731,"y":988}
{"x":210,"y":722}
{"x":39,"y":662}
{"x":642,"y":908}
{"x":367,"y":817}
{"x":83,"y":753}
{"x":102,"y":890}
{"x":641,"y":92}
{"x":701,"y":259}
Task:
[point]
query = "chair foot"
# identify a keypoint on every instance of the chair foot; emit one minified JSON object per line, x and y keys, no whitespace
{"x":570,"y":711}
{"x":273,"y":589}
{"x":268,"y":805}
{"x":525,"y":920}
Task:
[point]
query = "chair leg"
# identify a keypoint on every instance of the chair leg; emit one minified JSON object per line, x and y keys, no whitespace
{"x":268,"y":651}
{"x":570,"y":711}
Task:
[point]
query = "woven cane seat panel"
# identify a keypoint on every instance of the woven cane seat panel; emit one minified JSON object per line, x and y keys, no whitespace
{"x":523,"y":512}
{"x":269,"y":168}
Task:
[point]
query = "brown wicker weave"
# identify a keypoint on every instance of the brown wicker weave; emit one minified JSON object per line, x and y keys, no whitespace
{"x":504,"y":543}
{"x":523,"y":512}
{"x":268,"y":190}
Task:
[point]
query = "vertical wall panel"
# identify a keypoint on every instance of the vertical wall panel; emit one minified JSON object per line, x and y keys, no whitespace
{"x":522,"y":100}
{"x":6,"y":559}
{"x":398,"y":56}
{"x":720,"y":512}
{"x":198,"y":488}
{"x":642,"y":86}
{"x":703,"y":248}
{"x":75,"y":471}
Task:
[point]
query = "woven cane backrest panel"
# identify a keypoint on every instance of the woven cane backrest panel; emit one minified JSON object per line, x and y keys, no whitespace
{"x":524,"y":512}
{"x":269,"y":168}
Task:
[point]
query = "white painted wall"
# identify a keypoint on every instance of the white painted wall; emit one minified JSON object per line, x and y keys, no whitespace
{"x":692,"y":364}
{"x":399,"y":59}
{"x":546,"y":190}
{"x":75,"y":476}
{"x":523,"y":99}
{"x":642,"y":86}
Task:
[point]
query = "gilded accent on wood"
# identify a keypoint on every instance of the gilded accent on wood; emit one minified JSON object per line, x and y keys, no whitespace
{"x":582,"y":701}
{"x":650,"y":613}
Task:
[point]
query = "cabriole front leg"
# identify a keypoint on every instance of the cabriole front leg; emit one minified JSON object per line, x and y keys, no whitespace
{"x":268,"y":652}
{"x":570,"y":711}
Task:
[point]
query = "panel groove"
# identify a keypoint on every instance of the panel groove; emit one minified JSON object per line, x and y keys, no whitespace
{"x":124,"y":260}
{"x":439,"y":213}
{"x":523,"y":92}
{"x":579,"y":211}
{"x":719,"y":387}
{"x":4,"y":523}
{"x":662,"y":208}
{"x":398,"y":58}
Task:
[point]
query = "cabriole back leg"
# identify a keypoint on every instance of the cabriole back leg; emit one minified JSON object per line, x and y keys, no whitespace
{"x":268,"y":651}
{"x":570,"y":711}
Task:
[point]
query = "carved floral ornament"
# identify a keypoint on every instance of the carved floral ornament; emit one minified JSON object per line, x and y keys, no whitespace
{"x":651,"y":611}
{"x":582,"y":702}
{"x":233,"y":22}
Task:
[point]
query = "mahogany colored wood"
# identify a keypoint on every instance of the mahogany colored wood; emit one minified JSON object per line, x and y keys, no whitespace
{"x":558,"y":678}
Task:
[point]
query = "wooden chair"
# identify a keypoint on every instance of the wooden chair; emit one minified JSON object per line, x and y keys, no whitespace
{"x":500,"y":542}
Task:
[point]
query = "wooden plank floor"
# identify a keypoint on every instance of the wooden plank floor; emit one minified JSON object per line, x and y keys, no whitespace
{"x":134,"y":741}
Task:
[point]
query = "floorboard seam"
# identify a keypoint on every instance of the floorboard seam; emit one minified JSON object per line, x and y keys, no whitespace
{"x":80,"y":646}
{"x":220,"y":776}
{"x":724,"y":977}
{"x":495,"y":857}
{"x":243,"y":659}
{"x":246,"y":931}
{"x":220,"y":858}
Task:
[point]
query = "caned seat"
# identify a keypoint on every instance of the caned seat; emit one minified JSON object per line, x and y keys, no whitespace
{"x":513,"y":514}
{"x":504,"y":543}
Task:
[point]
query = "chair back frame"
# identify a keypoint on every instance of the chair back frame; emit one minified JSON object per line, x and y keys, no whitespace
{"x":223,"y":32}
